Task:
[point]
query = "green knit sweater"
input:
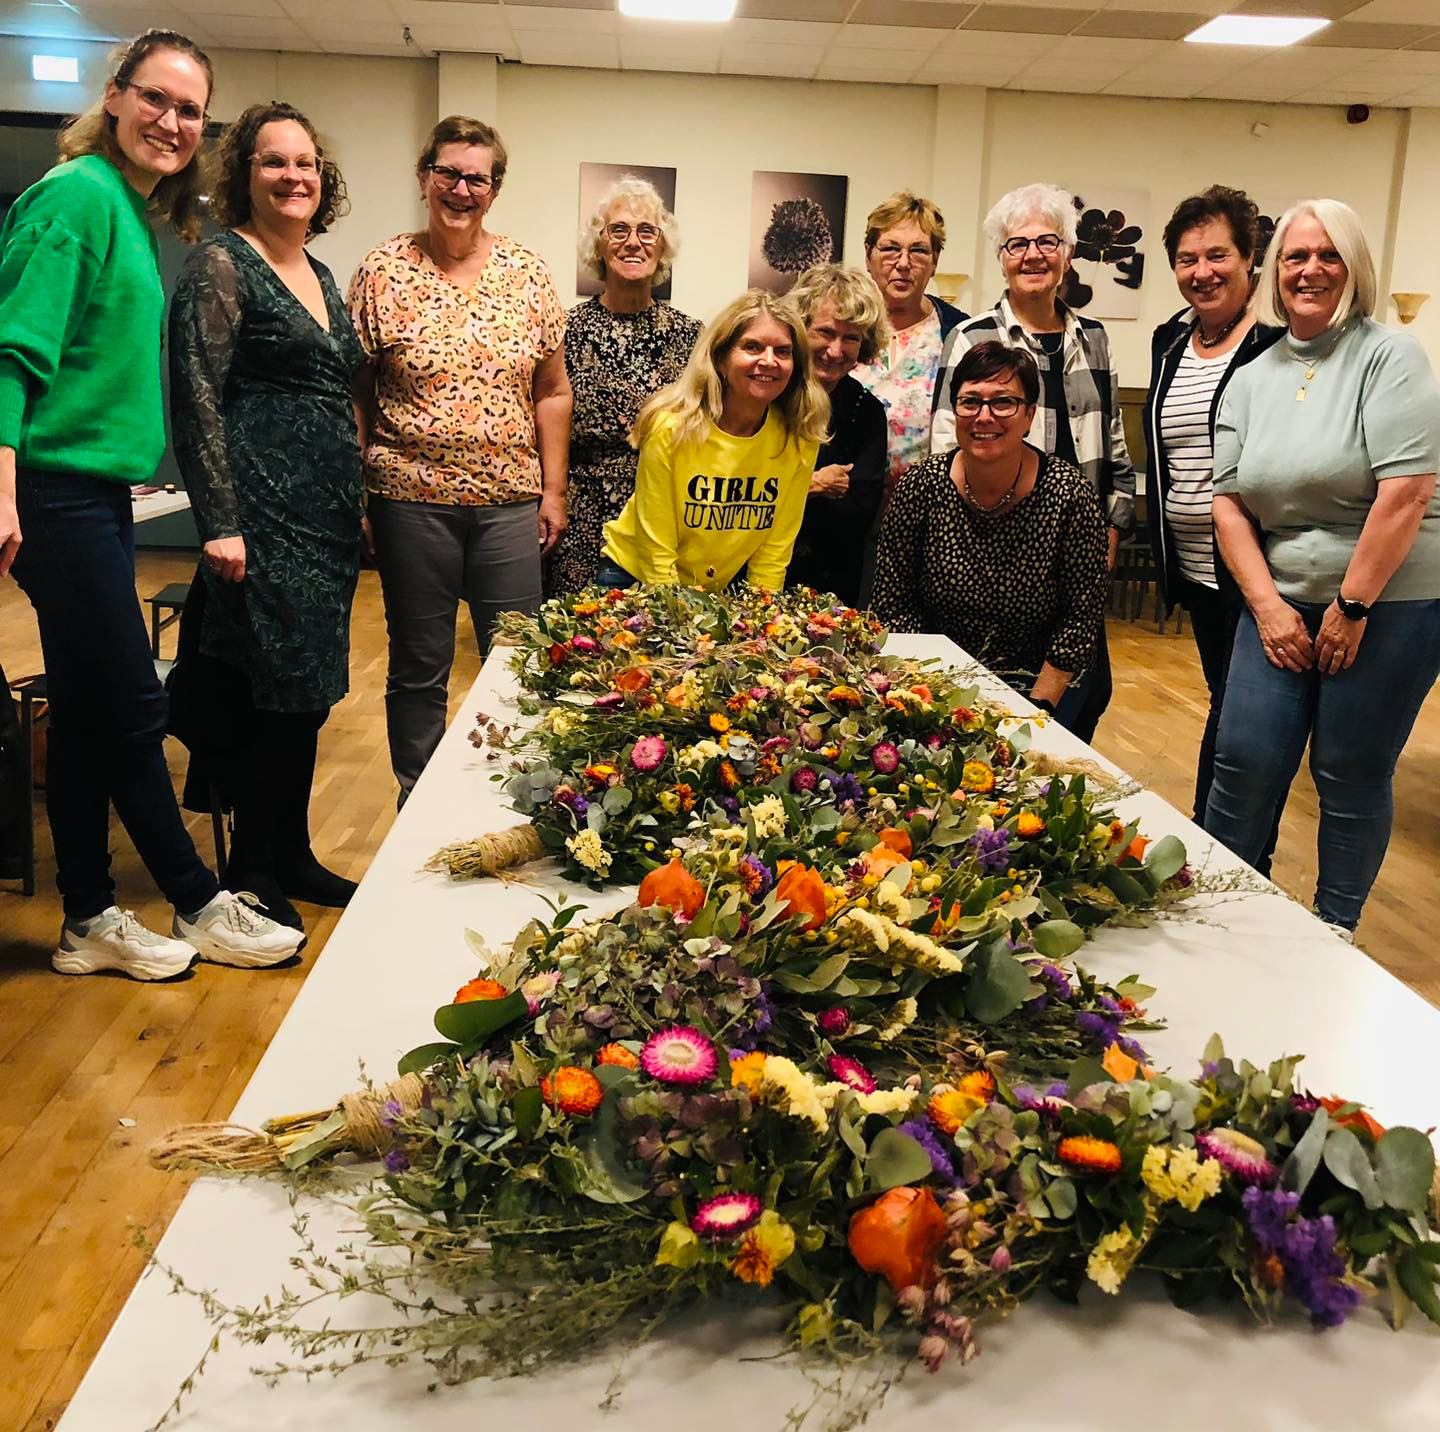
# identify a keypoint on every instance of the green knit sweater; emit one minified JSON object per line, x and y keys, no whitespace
{"x":81,"y":313}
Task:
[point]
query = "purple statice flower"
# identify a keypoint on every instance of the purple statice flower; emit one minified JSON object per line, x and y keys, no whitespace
{"x":396,"y":1162}
{"x":1314,"y":1267}
{"x":1133,"y":1048}
{"x":845,"y":790}
{"x":1110,"y":1003}
{"x":762,"y":1020}
{"x":1268,"y":1212}
{"x":756,"y":877}
{"x":992,"y":850}
{"x":569,"y":796}
{"x":1055,"y":985}
{"x":390,"y":1113}
{"x":940,"y":1161}
{"x":1053,"y":1101}
{"x":1102,"y":1030}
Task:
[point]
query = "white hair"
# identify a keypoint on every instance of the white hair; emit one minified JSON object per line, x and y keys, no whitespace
{"x":1343,"y":225}
{"x":644,"y":198}
{"x":1032,"y":201}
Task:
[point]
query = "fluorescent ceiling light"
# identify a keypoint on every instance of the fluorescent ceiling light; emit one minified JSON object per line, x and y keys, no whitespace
{"x":55,"y":69}
{"x":1255,"y":30}
{"x":709,"y":11}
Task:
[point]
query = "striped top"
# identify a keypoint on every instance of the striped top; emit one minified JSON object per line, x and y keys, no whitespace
{"x":1185,"y":431}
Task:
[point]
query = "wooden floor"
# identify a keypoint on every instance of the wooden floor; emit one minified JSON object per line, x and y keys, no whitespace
{"x":95,"y":1068}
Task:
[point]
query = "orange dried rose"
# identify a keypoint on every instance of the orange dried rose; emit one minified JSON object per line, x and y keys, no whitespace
{"x":674,"y":887}
{"x":898,"y":1236}
{"x":632,"y":679}
{"x":476,"y":989}
{"x":802,"y":889}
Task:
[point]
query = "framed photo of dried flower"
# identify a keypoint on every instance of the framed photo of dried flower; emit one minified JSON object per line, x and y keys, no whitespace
{"x":796,"y":221}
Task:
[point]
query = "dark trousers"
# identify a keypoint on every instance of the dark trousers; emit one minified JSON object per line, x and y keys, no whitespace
{"x":1084,"y":702}
{"x":107,"y":707}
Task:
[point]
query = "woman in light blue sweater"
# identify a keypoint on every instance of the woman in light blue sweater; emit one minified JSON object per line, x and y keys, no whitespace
{"x":1328,"y":443}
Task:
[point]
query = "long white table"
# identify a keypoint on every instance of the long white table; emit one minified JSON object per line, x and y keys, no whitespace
{"x":1257,"y":968}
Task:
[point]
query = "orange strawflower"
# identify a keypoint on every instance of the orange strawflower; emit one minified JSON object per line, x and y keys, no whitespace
{"x":949,"y":1108}
{"x":1089,"y":1153}
{"x":686,"y":792}
{"x":632,"y":679}
{"x":748,"y":1070}
{"x":979,"y":1084}
{"x":846,"y":696}
{"x":881,"y":858}
{"x":921,"y":690}
{"x":719,"y":722}
{"x":600,"y":774}
{"x":585,"y":609}
{"x":674,"y":887}
{"x":572,"y":1090}
{"x":618,"y":1055}
{"x":1029,"y":825}
{"x":475,"y":989}
{"x":803,"y":890}
{"x":729,"y":776}
{"x":977,"y":777}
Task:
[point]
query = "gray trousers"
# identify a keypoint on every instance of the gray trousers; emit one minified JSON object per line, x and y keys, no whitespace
{"x":431,"y":556}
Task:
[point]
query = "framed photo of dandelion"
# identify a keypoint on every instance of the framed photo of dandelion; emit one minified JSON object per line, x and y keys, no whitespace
{"x":595,"y":180}
{"x":796,"y":221}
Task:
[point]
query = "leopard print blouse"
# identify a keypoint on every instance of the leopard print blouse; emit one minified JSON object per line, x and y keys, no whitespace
{"x":455,"y":419}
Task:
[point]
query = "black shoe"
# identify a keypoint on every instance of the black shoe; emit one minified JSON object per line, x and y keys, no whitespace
{"x":306,"y":879}
{"x":266,"y":889}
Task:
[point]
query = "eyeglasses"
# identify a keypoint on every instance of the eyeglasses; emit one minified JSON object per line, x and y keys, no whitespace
{"x":1018,"y":247}
{"x":157,"y":104}
{"x":1005,"y":405}
{"x":891,"y":254}
{"x":307,"y":164}
{"x":448,"y":178}
{"x":619,"y":233}
{"x":1298,"y":258}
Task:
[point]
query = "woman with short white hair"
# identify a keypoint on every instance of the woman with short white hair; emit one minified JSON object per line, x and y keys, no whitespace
{"x":1327,"y":444}
{"x":621,"y":347}
{"x":1032,"y":230}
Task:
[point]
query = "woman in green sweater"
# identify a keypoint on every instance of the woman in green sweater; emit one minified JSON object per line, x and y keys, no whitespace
{"x":81,"y":421}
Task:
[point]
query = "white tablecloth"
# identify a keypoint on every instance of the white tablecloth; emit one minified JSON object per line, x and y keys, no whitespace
{"x":1257,"y":968}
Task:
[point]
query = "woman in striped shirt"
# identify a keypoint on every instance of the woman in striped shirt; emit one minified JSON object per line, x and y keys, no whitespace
{"x":1211,"y":241}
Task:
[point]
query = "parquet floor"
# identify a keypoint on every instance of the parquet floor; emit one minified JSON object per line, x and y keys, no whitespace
{"x":93,"y":1069}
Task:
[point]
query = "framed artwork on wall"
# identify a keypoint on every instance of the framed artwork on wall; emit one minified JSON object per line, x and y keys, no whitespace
{"x":1112,"y":236}
{"x":595,"y":179}
{"x":796,"y":221}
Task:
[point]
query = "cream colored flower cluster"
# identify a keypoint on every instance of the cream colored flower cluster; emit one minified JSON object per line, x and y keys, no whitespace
{"x":768,"y":813}
{"x":905,"y":948}
{"x":808,"y":1099}
{"x":589,"y":851}
{"x":902,"y":1016}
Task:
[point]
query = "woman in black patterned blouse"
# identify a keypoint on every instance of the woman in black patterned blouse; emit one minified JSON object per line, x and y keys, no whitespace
{"x":621,"y":347}
{"x":262,"y":361}
{"x":995,"y":544}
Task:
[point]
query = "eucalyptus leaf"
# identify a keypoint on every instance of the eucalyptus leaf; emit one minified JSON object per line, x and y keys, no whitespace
{"x":1055,"y":939}
{"x":1084,"y":1072}
{"x":1304,"y":1158}
{"x":1404,"y":1169}
{"x":417,"y":1061}
{"x":828,"y":971}
{"x":606,"y":1177}
{"x":1417,"y":1277}
{"x":475,"y":1021}
{"x":525,"y":1109}
{"x":1061,"y":1197}
{"x":999,"y":984}
{"x":1165,"y":858}
{"x":895,"y":1159}
{"x":1346,"y":1158}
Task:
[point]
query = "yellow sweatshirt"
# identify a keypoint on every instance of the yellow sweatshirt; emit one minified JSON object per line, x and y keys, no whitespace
{"x":703,"y":510}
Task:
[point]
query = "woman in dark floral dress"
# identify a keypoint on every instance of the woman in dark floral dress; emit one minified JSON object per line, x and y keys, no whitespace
{"x":262,"y":360}
{"x":621,"y":347}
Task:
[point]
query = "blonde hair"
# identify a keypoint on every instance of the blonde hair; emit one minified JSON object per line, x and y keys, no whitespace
{"x":855,"y":298}
{"x":900,"y":206}
{"x":697,"y":397}
{"x":1049,"y":201}
{"x":644,"y":198}
{"x":1343,"y":225}
{"x":177,"y":198}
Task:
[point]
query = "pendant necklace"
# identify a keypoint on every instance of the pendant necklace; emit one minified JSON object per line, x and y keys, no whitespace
{"x":1004,"y":501}
{"x":1311,"y":364}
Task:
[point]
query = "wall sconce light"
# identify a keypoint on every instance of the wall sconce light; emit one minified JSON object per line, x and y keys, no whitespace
{"x":948,"y":285}
{"x":1407,"y":305}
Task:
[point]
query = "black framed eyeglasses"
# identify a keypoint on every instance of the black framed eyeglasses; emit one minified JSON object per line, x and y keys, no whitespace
{"x":1018,"y":247}
{"x":158,"y":104}
{"x":449,"y":178}
{"x":1004,"y":405}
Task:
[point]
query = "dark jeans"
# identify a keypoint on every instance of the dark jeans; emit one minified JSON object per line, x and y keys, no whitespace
{"x":612,"y":575}
{"x":1357,"y":723}
{"x":1084,"y":702}
{"x":431,"y":557}
{"x":107,"y":707}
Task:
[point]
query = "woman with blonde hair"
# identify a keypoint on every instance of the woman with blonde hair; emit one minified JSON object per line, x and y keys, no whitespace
{"x":81,"y":422}
{"x":1328,"y":444}
{"x":621,"y":347}
{"x":845,"y":321}
{"x":726,"y":455}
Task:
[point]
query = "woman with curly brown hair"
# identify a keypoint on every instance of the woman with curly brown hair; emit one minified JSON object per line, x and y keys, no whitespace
{"x":262,"y":363}
{"x":81,"y":422}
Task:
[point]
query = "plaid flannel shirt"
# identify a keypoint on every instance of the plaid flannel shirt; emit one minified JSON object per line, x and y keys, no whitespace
{"x":1090,"y":387}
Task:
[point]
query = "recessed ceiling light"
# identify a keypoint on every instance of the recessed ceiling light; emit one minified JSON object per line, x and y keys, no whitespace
{"x":55,"y":69}
{"x":1255,"y":30}
{"x":710,"y":11}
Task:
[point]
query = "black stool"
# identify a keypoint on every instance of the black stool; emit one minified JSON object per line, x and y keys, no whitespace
{"x":169,"y":599}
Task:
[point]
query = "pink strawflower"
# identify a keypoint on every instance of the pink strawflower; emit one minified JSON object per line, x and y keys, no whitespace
{"x":726,"y":1216}
{"x":1000,"y":1260}
{"x":804,"y":779}
{"x":679,"y":1055}
{"x":885,"y":758}
{"x":1242,"y":1157}
{"x":850,"y":1072}
{"x":586,"y":644}
{"x":610,"y":700}
{"x":879,"y":682}
{"x":647,"y":753}
{"x":834,"y":1021}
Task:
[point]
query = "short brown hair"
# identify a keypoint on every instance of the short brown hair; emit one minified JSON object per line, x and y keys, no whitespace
{"x":1235,"y":206}
{"x":461,"y":129}
{"x":988,"y":361}
{"x":896,"y":209}
{"x":177,"y":197}
{"x":230,"y":203}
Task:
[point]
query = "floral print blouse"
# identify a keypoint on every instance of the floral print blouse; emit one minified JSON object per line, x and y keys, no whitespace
{"x":903,"y":378}
{"x":454,"y":412}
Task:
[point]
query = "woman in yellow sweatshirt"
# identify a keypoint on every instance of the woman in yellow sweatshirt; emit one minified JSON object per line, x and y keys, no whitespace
{"x":726,"y":455}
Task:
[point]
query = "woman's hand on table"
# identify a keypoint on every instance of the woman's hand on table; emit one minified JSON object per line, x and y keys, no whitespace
{"x":832,"y":480}
{"x":1337,"y":641}
{"x":1283,"y":637}
{"x":225,"y":556}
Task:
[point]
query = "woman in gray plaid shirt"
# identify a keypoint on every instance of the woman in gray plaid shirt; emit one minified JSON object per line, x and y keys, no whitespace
{"x":1079,"y":419}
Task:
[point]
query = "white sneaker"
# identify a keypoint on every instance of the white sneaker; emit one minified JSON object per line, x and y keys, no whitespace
{"x":115,"y":940}
{"x":230,"y":930}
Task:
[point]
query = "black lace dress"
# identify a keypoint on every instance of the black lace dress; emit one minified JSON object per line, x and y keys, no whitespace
{"x":615,"y":362}
{"x":264,"y":433}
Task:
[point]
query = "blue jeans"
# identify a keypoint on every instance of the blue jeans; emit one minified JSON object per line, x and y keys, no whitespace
{"x":1079,"y":710}
{"x":107,"y":707}
{"x":612,"y":575}
{"x":1357,"y":723}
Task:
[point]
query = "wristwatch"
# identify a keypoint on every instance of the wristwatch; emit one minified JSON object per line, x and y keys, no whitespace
{"x":1352,"y":611}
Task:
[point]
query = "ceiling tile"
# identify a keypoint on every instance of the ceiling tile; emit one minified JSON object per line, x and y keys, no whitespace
{"x":1083,"y":50}
{"x":941,"y":71}
{"x":1141,"y":25}
{"x":565,"y":20}
{"x":332,"y":33}
{"x":968,"y":43}
{"x":1090,"y":5}
{"x":797,"y":57}
{"x":889,"y":37}
{"x":1067,"y":83}
{"x":1324,"y":9}
{"x":1025,"y":19}
{"x":1398,"y":12}
{"x":447,"y":12}
{"x":1349,"y":35}
{"x":519,"y":19}
{"x":267,"y":32}
{"x":860,"y":70}
{"x":229,"y":7}
{"x":303,"y":10}
{"x":545,"y":47}
{"x":794,"y":9}
{"x":919,"y":14}
{"x":783,"y":32}
{"x":767,"y":68}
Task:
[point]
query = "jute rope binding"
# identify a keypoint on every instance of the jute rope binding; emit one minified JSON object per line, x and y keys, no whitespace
{"x":1040,"y":764}
{"x":489,"y":854}
{"x":241,"y":1150}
